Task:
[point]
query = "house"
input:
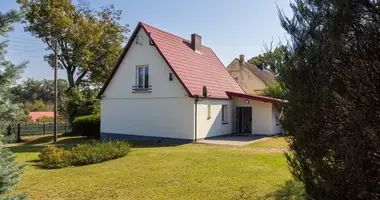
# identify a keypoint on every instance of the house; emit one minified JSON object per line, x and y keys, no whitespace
{"x":35,"y":116}
{"x":166,"y":88}
{"x":253,"y":79}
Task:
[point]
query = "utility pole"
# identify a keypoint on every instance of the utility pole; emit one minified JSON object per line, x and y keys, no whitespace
{"x":55,"y":90}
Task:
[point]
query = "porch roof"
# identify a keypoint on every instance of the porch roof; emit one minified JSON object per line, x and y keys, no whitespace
{"x":256,"y":97}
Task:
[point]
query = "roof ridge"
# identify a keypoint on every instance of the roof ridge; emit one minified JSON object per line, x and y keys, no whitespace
{"x":172,"y":34}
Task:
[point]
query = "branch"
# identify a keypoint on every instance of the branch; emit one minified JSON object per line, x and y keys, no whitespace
{"x":80,"y":78}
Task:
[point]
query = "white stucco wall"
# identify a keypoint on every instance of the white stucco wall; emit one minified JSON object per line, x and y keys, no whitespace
{"x":165,"y":112}
{"x":277,"y":128}
{"x":166,"y":117}
{"x":213,"y":126}
{"x":125,"y":77}
{"x":262,"y":122}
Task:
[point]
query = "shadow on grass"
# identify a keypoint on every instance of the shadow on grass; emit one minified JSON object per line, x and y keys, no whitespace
{"x":142,"y":144}
{"x":290,"y":190}
{"x":25,"y":149}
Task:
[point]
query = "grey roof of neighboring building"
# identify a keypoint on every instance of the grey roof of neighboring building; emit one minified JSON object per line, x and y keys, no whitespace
{"x":265,"y":75}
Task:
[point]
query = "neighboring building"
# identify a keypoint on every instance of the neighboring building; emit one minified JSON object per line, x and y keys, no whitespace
{"x":156,"y":93}
{"x":35,"y":116}
{"x":253,"y":79}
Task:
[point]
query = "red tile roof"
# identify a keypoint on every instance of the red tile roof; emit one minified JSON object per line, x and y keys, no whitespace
{"x":192,"y":69}
{"x":36,"y":115}
{"x":256,"y":97}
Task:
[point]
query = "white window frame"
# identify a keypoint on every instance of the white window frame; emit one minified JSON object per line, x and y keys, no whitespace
{"x":225,"y":114}
{"x":143,"y":84}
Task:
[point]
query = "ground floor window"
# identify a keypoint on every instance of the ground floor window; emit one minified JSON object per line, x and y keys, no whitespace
{"x":224,"y":114}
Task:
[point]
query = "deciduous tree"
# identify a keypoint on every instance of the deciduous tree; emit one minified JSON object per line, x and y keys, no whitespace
{"x":89,"y":42}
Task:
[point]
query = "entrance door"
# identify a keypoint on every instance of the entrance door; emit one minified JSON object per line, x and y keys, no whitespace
{"x":243,"y":120}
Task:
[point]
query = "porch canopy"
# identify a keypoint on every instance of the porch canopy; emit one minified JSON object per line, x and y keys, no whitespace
{"x":256,"y":97}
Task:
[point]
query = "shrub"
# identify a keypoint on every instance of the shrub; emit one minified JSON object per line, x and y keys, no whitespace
{"x":84,"y":154}
{"x":88,"y":125}
{"x":55,"y":157}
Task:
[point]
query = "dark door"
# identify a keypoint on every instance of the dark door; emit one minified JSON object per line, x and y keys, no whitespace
{"x":243,"y":120}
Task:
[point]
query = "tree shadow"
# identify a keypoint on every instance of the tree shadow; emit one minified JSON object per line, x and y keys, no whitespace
{"x":290,"y":190}
{"x":143,"y":144}
{"x":25,"y":149}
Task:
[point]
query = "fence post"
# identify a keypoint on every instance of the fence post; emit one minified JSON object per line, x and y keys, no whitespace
{"x":18,"y":133}
{"x":65,"y":127}
{"x":43,"y":125}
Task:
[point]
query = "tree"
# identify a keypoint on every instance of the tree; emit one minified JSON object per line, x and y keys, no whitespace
{"x":333,"y":82}
{"x":9,"y":112}
{"x":38,"y":106}
{"x":89,"y":42}
{"x":31,"y":90}
{"x":272,"y":59}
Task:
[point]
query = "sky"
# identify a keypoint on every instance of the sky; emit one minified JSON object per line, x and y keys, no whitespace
{"x":229,"y":27}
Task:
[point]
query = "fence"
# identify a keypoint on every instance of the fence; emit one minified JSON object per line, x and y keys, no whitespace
{"x":27,"y":129}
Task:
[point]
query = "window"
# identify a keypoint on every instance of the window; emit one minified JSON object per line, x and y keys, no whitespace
{"x":224,"y":114}
{"x":208,"y":111}
{"x":142,"y":77}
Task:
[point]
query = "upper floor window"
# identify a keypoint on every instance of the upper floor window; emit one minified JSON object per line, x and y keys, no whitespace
{"x":142,"y":76}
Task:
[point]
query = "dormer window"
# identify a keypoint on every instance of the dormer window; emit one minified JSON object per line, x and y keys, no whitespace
{"x":142,"y":79}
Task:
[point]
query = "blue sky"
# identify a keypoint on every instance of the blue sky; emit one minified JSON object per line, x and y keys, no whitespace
{"x":229,"y":27}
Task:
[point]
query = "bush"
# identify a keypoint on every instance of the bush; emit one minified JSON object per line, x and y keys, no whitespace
{"x":88,"y":125}
{"x":55,"y":157}
{"x":84,"y":154}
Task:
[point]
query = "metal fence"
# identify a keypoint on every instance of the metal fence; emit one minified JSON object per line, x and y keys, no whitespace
{"x":28,"y":129}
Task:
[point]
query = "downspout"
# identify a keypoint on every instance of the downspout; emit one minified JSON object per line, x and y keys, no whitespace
{"x":196,"y":99}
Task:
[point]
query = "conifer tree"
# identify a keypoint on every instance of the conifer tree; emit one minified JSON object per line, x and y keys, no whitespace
{"x":9,"y":112}
{"x":333,"y":82}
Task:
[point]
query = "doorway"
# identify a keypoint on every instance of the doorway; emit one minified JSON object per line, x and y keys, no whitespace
{"x":244,"y":120}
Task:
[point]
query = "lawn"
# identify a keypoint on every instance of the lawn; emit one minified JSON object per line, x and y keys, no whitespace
{"x":156,"y":171}
{"x":271,"y":142}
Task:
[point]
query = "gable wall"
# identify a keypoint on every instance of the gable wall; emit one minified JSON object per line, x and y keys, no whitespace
{"x":250,"y":83}
{"x":125,"y":77}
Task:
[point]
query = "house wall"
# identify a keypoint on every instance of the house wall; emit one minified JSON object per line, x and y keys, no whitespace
{"x":125,"y":77}
{"x":262,"y":123}
{"x":277,"y":127}
{"x":165,"y":113}
{"x":161,"y":118}
{"x":250,"y":83}
{"x":210,"y":127}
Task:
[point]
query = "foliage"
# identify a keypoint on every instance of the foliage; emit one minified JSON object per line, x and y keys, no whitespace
{"x":333,"y":81}
{"x":88,"y":41}
{"x":88,"y":125}
{"x":9,"y":73}
{"x":46,"y":119}
{"x":274,"y":91}
{"x":82,"y":103}
{"x":84,"y":154}
{"x":55,"y":157}
{"x":42,"y":90}
{"x":272,"y":59}
{"x":38,"y":106}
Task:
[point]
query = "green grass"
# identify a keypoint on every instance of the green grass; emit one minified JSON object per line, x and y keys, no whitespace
{"x":272,"y":142}
{"x":157,"y":171}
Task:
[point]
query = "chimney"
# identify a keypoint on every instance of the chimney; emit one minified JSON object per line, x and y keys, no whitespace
{"x":241,"y":61}
{"x":242,"y":58}
{"x":196,"y":42}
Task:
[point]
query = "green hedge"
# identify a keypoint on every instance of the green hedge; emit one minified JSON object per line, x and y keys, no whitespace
{"x":88,"y":125}
{"x":53,"y":157}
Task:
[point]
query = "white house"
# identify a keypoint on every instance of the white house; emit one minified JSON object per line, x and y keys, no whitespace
{"x":166,"y":88}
